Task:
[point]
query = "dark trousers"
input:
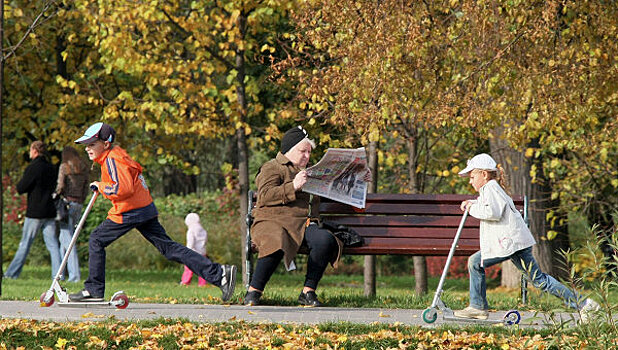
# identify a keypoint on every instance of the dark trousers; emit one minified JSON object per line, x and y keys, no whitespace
{"x":322,"y":249}
{"x":108,"y":231}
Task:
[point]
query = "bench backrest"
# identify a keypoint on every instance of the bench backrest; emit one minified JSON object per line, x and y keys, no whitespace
{"x":411,"y":224}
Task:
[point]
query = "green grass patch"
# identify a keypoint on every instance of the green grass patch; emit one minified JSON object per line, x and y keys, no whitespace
{"x":161,"y":286}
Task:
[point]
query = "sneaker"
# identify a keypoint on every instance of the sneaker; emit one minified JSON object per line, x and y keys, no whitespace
{"x":252,"y":298}
{"x":589,"y":310}
{"x":84,"y":296}
{"x":309,"y":299}
{"x":228,"y":281}
{"x":471,"y":312}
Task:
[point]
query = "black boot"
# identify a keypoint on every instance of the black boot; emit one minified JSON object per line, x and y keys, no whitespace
{"x":309,"y":299}
{"x":252,"y":298}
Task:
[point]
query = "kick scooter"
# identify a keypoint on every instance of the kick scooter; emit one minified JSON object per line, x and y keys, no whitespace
{"x":431,"y":314}
{"x":119,"y":299}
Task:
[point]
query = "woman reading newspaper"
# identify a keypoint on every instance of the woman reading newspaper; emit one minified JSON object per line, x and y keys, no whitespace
{"x":282,"y":221}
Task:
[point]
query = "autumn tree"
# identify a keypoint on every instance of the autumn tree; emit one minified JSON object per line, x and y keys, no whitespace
{"x":528,"y":78}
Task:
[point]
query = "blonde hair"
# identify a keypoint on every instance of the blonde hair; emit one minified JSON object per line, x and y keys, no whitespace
{"x":500,"y":176}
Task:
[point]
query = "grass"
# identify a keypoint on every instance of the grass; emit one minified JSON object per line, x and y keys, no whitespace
{"x":161,"y":286}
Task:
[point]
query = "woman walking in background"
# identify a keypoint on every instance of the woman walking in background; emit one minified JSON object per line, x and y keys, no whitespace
{"x":73,"y":177}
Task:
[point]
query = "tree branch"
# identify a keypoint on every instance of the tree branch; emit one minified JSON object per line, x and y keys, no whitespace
{"x":30,"y":29}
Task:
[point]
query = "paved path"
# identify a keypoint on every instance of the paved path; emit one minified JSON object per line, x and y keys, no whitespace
{"x":221,"y":313}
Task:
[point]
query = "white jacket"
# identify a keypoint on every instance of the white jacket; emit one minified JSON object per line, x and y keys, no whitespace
{"x":197,"y":237}
{"x":502,"y":230}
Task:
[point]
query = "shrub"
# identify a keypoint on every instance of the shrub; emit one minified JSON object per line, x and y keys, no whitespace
{"x":14,"y":203}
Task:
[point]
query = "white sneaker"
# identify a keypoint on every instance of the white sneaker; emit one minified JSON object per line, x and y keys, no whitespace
{"x":471,"y":312}
{"x":589,"y":310}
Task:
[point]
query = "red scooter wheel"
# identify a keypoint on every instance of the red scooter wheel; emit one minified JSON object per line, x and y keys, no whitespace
{"x":48,"y":303}
{"x":121,"y":301}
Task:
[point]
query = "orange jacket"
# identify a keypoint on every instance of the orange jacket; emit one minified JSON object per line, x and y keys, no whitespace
{"x":122,"y":183}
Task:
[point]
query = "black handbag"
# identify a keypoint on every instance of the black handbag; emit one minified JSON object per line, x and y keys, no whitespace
{"x":348,"y":236}
{"x":62,"y":208}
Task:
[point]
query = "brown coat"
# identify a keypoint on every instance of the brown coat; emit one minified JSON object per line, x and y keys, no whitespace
{"x":281,"y":213}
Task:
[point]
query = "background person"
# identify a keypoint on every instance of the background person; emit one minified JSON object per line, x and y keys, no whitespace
{"x":197,"y":237}
{"x":73,"y":176}
{"x":38,"y":182}
{"x":504,"y":236}
{"x":124,"y":185}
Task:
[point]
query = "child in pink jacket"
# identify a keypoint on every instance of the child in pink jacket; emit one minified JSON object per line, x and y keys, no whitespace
{"x":196,"y":241}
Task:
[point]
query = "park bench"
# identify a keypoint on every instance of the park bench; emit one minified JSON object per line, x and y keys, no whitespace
{"x":401,"y":224}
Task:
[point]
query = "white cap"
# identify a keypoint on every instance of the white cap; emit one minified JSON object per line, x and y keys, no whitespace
{"x":481,"y":161}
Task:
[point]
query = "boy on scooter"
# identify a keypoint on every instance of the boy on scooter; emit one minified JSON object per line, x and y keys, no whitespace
{"x":123,"y":184}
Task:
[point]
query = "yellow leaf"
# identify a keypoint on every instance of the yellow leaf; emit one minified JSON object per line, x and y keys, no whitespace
{"x":529,"y":152}
{"x":60,"y":343}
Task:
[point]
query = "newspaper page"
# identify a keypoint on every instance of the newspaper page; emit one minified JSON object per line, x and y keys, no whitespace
{"x":339,"y":176}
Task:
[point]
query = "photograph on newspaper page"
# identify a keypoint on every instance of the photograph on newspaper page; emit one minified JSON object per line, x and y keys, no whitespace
{"x":339,"y":176}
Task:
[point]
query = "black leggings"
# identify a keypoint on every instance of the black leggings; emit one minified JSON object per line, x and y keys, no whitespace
{"x":322,"y":249}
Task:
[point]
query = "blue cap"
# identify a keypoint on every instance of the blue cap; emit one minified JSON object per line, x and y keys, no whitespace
{"x":98,"y":131}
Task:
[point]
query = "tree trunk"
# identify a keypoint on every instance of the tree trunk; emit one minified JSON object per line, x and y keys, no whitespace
{"x":241,"y":143}
{"x":420,"y":262}
{"x":369,"y":268}
{"x":546,"y":251}
{"x":1,"y":132}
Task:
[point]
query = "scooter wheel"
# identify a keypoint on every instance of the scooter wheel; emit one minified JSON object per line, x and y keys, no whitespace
{"x":121,"y":301}
{"x":512,"y":317}
{"x":48,"y":303}
{"x":430,"y":315}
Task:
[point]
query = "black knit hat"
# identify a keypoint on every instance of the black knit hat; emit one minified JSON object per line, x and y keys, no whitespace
{"x":292,"y":137}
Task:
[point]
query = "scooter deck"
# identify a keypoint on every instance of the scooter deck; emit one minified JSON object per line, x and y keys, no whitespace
{"x":472,"y":320}
{"x":88,"y":304}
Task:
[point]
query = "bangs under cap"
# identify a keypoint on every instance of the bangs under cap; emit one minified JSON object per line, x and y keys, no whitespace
{"x":481,"y":161}
{"x":97,"y":131}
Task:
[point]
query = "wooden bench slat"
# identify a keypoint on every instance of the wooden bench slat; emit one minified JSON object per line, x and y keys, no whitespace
{"x":422,"y":198}
{"x":401,"y":221}
{"x":391,"y":209}
{"x":406,"y":246}
{"x":388,"y":250}
{"x":428,"y":233}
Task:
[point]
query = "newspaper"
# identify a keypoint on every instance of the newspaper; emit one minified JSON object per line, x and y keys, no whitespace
{"x":339,"y":176}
